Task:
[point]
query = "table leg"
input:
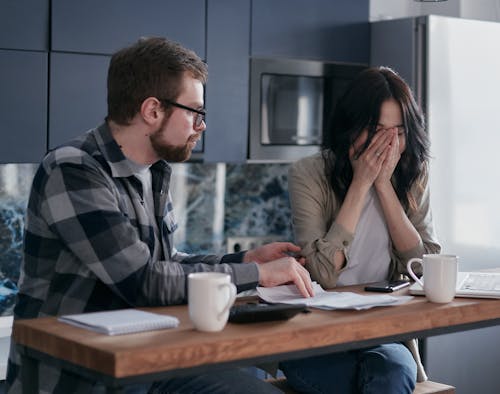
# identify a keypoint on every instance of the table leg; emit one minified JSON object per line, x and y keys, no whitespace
{"x":29,"y":375}
{"x":114,"y":390}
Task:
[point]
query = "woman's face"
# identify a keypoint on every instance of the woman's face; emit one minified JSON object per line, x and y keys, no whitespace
{"x":390,"y":117}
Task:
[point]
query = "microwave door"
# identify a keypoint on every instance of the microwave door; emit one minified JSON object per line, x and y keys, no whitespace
{"x":309,"y":111}
{"x":291,"y":110}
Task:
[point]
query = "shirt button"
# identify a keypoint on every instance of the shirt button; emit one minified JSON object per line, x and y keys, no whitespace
{"x":345,"y":243}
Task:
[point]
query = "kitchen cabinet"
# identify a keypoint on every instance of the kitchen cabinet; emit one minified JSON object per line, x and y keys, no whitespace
{"x":24,"y":24}
{"x":228,"y":42}
{"x":321,"y":29}
{"x":23,"y":106}
{"x":225,"y":33}
{"x":102,"y":27}
{"x":82,"y":32}
{"x":77,"y":94}
{"x":312,"y":29}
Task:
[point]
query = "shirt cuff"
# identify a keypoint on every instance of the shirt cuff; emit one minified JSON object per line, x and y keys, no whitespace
{"x":245,"y":276}
{"x":339,"y":237}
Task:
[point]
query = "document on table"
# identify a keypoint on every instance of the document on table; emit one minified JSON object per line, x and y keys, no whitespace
{"x":329,"y":300}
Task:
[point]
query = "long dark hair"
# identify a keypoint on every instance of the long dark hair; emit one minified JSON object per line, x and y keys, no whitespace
{"x":359,"y":109}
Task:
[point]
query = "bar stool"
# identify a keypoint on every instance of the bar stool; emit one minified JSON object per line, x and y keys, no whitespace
{"x":427,"y":387}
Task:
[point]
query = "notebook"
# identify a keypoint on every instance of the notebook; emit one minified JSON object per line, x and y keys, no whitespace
{"x":471,"y":284}
{"x":122,"y":321}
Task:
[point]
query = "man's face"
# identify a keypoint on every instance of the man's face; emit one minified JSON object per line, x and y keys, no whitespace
{"x":177,"y":135}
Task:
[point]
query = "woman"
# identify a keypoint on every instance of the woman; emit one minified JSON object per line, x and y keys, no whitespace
{"x":360,"y":211}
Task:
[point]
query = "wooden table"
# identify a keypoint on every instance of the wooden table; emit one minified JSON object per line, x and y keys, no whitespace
{"x":146,"y":356}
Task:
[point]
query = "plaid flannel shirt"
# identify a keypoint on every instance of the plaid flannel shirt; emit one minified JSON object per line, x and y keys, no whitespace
{"x":89,"y":241}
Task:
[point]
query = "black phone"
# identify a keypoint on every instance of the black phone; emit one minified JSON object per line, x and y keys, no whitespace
{"x":387,"y":286}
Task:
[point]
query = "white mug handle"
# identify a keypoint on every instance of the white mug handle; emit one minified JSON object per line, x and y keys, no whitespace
{"x":410,"y":271}
{"x":230,"y":301}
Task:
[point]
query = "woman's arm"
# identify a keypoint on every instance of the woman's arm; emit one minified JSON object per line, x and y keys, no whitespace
{"x":411,"y":232}
{"x":313,"y":211}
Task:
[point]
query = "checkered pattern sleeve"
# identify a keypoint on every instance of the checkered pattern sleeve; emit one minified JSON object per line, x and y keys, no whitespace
{"x":86,"y":248}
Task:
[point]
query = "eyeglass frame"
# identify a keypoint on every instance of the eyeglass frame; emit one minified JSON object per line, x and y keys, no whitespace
{"x":197,"y":119}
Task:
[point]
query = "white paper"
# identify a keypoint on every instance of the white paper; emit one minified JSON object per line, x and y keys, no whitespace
{"x":122,"y":321}
{"x":329,"y":300}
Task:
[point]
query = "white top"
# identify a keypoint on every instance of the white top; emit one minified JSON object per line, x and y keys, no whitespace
{"x":368,"y":256}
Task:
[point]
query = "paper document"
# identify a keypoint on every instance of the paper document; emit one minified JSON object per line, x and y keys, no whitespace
{"x":329,"y":300}
{"x":122,"y":321}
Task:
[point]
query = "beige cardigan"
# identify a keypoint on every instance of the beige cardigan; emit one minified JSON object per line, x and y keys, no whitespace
{"x":314,"y":209}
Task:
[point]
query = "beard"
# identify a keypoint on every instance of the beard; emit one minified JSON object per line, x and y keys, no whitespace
{"x":171,"y":153}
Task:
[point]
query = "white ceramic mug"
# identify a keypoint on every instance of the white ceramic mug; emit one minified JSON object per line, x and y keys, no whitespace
{"x":440,"y":276}
{"x":210,"y":295}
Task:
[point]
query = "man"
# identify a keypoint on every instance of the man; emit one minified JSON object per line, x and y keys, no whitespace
{"x":99,"y":227}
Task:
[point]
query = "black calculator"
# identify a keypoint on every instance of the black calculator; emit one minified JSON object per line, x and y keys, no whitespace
{"x":260,"y":312}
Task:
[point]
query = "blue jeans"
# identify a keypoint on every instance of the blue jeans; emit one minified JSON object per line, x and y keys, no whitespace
{"x":383,"y":369}
{"x":229,"y":381}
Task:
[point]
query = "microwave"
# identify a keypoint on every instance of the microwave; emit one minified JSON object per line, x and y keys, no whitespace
{"x":291,"y":103}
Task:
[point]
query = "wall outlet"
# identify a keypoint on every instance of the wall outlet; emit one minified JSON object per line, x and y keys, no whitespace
{"x":237,"y":244}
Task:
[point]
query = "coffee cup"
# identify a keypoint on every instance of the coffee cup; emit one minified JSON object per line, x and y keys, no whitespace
{"x":210,"y":295}
{"x":440,"y":276}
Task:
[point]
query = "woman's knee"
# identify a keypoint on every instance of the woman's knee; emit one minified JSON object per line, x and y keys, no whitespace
{"x":391,"y":365}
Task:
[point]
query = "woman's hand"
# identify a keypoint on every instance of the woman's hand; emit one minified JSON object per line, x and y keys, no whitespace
{"x":391,"y":158}
{"x":367,"y":165}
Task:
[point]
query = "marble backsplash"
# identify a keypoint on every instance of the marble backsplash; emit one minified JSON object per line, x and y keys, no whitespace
{"x":212,"y":202}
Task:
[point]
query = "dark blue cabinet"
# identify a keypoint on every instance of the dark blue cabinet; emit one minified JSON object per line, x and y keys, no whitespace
{"x":24,"y":24}
{"x":335,"y":30}
{"x":23,"y":106}
{"x":83,"y":35}
{"x":77,"y":94}
{"x":96,"y":26}
{"x":228,"y":44}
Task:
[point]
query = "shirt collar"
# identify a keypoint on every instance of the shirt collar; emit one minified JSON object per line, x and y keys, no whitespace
{"x":120,"y":165}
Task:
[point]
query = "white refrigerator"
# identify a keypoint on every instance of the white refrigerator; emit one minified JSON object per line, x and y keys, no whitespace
{"x":453,"y":66}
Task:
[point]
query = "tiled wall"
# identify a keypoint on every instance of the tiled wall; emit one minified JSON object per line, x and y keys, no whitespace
{"x":15,"y":183}
{"x":212,"y":202}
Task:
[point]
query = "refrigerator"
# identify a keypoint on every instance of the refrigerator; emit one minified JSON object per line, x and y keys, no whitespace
{"x":453,"y":67}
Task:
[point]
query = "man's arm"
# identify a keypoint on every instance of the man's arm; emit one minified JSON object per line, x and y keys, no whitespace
{"x":82,"y":209}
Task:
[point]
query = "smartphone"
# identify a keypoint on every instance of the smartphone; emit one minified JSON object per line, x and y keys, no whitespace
{"x":387,"y":286}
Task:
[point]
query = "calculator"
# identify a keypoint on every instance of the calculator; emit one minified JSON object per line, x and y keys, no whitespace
{"x":260,"y":312}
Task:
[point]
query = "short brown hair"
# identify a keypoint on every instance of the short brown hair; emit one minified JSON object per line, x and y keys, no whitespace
{"x":151,"y":67}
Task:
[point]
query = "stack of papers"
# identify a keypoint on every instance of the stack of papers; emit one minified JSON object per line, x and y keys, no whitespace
{"x":289,"y":294}
{"x":122,"y":321}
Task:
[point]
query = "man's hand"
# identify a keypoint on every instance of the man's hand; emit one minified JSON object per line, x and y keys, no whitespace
{"x":272,"y":251}
{"x":283,"y":271}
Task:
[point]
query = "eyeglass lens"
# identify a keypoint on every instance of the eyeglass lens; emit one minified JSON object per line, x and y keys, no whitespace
{"x":198,"y":118}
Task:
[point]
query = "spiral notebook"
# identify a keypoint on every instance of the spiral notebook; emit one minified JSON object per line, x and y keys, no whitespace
{"x":122,"y":321}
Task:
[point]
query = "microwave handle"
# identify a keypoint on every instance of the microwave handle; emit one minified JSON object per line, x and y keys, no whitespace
{"x":264,"y":117}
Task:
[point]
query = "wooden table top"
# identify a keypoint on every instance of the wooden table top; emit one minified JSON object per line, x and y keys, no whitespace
{"x":183,"y":347}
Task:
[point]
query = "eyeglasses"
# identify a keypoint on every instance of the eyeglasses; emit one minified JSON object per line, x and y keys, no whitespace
{"x":199,"y":115}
